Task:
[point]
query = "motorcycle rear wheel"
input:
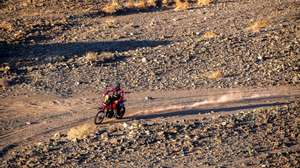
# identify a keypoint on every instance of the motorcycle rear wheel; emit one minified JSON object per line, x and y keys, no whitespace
{"x":99,"y":117}
{"x":120,"y":113}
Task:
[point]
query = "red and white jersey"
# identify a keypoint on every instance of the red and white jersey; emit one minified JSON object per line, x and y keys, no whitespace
{"x":113,"y":91}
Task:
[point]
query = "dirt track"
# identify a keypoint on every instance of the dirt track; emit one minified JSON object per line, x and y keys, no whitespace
{"x":33,"y":118}
{"x":64,"y":51}
{"x":55,"y":57}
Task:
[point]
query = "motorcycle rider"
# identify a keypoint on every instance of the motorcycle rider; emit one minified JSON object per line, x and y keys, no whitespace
{"x":114,"y":93}
{"x":113,"y":103}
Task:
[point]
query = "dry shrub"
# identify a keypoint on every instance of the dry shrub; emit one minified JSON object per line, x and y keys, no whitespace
{"x":5,"y":68}
{"x":204,"y":2}
{"x":81,"y":131}
{"x":151,"y":3}
{"x":25,"y":3}
{"x":110,"y":23}
{"x":257,"y":25}
{"x":181,"y":5}
{"x":214,"y":75}
{"x":140,"y":4}
{"x":165,"y":2}
{"x":113,"y":7}
{"x":106,"y":56}
{"x":19,"y":35}
{"x":6,"y":26}
{"x":129,"y":4}
{"x":209,"y":35}
{"x":91,"y":57}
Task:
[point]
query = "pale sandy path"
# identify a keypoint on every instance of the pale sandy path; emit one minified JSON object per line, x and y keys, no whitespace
{"x":46,"y":114}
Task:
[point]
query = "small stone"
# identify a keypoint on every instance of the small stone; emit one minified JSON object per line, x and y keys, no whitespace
{"x":39,"y":144}
{"x":295,"y":79}
{"x":125,"y":125}
{"x":144,"y":60}
{"x":147,"y":98}
{"x":149,"y":123}
{"x":260,"y":58}
{"x":104,"y":136}
{"x":56,"y":135}
{"x":114,"y":141}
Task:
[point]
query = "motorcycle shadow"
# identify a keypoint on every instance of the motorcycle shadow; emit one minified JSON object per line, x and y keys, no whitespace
{"x":115,"y":121}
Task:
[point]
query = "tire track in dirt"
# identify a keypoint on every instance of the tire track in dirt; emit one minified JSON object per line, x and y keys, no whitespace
{"x":170,"y":104}
{"x":226,"y":98}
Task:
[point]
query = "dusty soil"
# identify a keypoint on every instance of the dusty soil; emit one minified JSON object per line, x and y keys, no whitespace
{"x":155,"y":49}
{"x":227,"y":100}
{"x":33,"y":119}
{"x":212,"y":140}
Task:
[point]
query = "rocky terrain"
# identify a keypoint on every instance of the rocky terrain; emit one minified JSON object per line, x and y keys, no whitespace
{"x":56,"y":57}
{"x":64,"y":51}
{"x":257,"y":138}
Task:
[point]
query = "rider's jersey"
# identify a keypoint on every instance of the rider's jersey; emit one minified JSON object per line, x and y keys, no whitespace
{"x":112,"y":92}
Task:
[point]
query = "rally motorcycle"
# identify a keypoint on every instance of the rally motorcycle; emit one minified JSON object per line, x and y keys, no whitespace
{"x":112,"y":109}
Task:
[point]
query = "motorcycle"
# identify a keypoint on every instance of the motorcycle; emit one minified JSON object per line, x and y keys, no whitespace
{"x":113,"y":109}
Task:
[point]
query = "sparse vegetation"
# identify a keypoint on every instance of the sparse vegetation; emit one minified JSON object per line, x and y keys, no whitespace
{"x":110,"y":23}
{"x":129,"y":4}
{"x":113,"y":7}
{"x":141,"y":4}
{"x":257,"y":25}
{"x":81,"y":131}
{"x":4,"y":68}
{"x":181,"y":5}
{"x":165,"y":2}
{"x":151,"y":3}
{"x":6,"y":26}
{"x":215,"y":75}
{"x":209,"y":35}
{"x":106,"y":56}
{"x":204,"y":2}
{"x":91,"y":57}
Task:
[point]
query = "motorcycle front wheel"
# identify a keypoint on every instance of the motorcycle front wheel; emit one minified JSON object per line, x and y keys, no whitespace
{"x":99,"y":117}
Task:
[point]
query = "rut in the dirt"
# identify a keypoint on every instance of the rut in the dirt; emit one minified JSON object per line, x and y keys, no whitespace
{"x":222,"y":141}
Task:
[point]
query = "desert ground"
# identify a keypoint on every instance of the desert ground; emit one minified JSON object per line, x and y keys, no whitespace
{"x":209,"y":83}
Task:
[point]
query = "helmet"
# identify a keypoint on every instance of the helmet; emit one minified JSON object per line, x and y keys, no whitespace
{"x":117,"y":85}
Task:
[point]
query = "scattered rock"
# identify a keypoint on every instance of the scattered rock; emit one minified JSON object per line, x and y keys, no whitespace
{"x":144,"y":60}
{"x":56,"y":136}
{"x":147,"y":98}
{"x":145,"y":143}
{"x":4,"y":83}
